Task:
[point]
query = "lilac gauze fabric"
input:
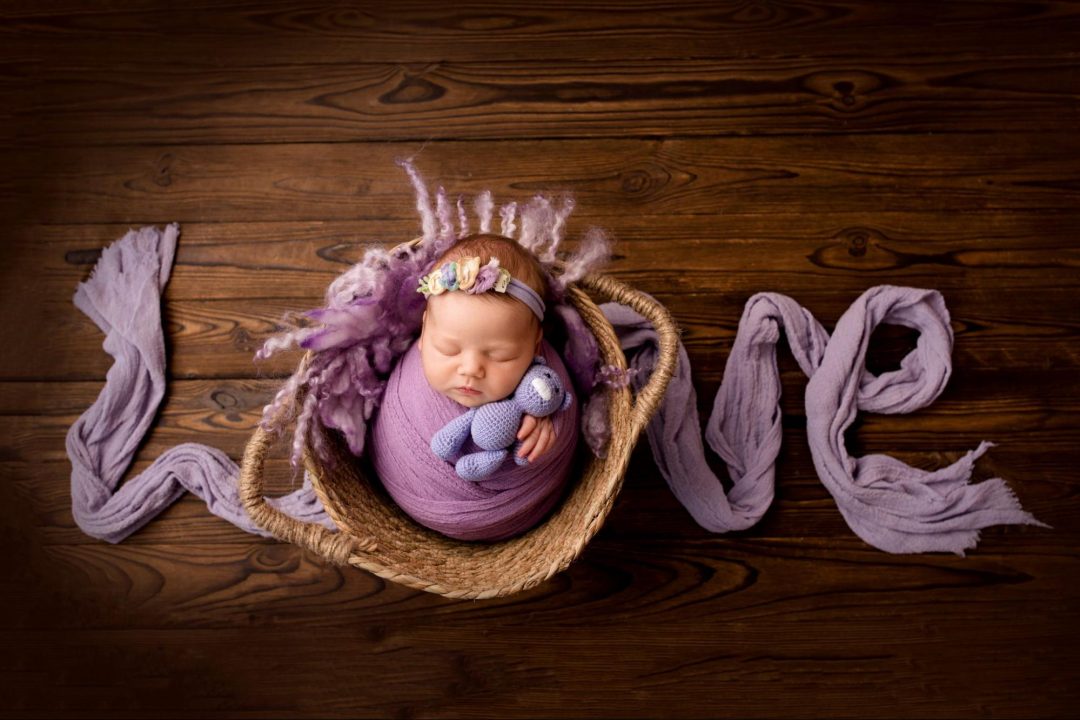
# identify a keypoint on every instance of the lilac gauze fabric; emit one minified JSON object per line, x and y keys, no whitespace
{"x":510,"y":501}
{"x":123,"y":297}
{"x":890,"y":505}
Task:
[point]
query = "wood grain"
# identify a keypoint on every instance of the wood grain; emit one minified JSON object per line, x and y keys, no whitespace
{"x":492,"y":100}
{"x":664,"y":177}
{"x":611,"y":30}
{"x":814,"y":148}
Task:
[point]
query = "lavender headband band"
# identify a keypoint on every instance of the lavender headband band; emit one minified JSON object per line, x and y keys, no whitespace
{"x":468,"y":276}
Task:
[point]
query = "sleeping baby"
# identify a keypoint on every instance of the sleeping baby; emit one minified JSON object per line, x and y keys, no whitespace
{"x":479,"y":380}
{"x":481,"y":335}
{"x":389,"y":369}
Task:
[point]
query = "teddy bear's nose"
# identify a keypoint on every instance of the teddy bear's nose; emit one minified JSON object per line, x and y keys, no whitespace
{"x":542,"y":389}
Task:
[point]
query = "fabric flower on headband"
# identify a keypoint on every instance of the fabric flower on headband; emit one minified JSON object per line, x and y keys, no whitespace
{"x":467,"y":275}
{"x":467,"y":271}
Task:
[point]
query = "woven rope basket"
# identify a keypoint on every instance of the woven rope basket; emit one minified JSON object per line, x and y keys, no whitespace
{"x":377,"y":536}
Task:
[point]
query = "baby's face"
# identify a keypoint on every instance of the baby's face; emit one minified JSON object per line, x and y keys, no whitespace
{"x":475,"y":351}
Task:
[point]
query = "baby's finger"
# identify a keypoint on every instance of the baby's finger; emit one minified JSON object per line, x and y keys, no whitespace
{"x":544,"y":442}
{"x":528,"y":422}
{"x":551,"y":436}
{"x":528,"y":444}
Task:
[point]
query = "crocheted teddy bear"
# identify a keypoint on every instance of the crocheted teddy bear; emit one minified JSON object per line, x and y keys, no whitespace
{"x":494,"y":426}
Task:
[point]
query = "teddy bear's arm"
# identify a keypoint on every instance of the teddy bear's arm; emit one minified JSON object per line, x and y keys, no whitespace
{"x":449,"y":439}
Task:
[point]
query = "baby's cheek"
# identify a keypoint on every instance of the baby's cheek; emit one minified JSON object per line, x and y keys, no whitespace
{"x":430,"y":369}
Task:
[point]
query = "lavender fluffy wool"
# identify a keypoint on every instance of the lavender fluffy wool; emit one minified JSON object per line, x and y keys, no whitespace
{"x":505,"y":504}
{"x":371,"y":316}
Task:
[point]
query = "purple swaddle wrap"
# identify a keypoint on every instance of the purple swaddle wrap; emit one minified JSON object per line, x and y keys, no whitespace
{"x":505,"y":504}
{"x":890,"y":505}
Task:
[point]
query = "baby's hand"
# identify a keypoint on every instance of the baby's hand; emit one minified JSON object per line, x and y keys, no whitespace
{"x":537,"y":436}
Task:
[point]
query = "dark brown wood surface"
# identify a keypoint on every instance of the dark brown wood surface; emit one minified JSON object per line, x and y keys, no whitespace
{"x":810,"y":148}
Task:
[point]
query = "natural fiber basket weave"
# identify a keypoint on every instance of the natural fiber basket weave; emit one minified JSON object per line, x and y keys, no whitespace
{"x":376,"y":535}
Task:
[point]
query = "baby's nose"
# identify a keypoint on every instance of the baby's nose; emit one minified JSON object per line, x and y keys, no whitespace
{"x":471,"y":366}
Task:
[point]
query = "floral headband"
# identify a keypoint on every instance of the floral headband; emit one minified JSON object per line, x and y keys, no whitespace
{"x":467,"y":275}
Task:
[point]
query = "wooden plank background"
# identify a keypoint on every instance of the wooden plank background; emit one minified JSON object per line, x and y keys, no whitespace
{"x":809,"y":148}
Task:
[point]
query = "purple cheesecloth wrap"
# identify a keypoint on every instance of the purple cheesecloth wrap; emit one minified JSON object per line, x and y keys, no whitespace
{"x":510,"y":500}
{"x":890,"y":505}
{"x":123,"y":297}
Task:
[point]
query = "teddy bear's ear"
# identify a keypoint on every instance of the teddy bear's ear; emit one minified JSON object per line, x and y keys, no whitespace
{"x":539,"y":360}
{"x":567,"y":401}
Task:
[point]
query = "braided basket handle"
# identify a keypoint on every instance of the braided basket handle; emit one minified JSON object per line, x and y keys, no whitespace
{"x":336,"y":547}
{"x":648,"y":400}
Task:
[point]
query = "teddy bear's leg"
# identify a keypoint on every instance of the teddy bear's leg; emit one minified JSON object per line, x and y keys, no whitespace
{"x":478,"y":465}
{"x":448,"y":440}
